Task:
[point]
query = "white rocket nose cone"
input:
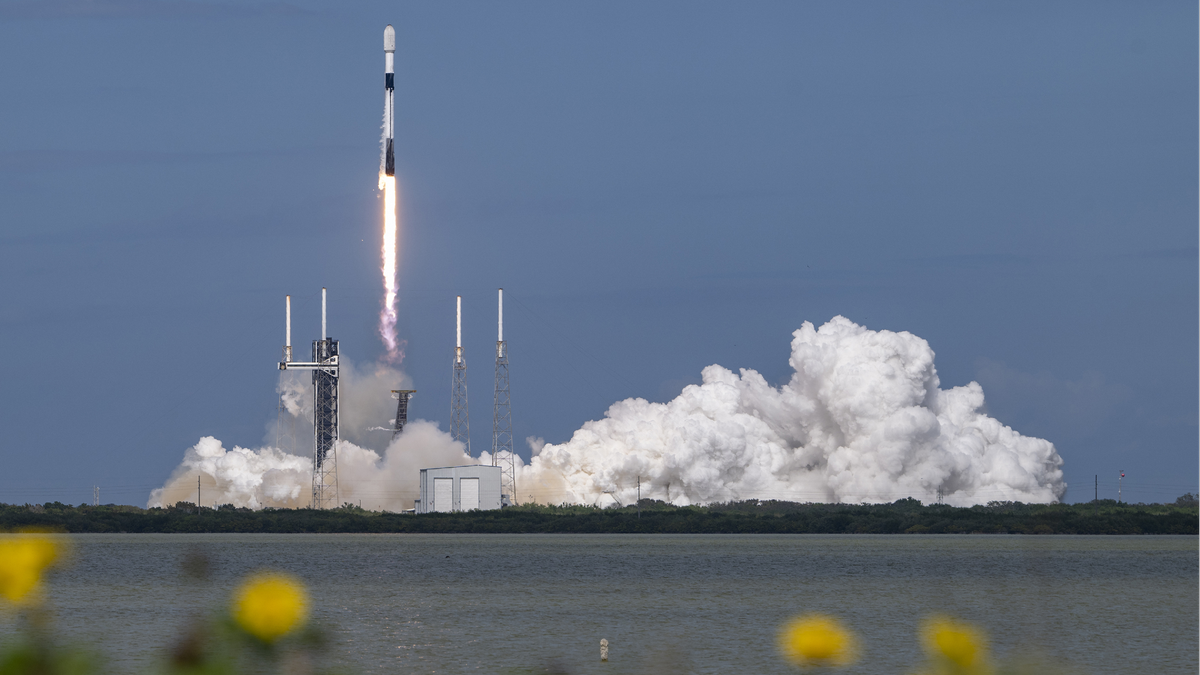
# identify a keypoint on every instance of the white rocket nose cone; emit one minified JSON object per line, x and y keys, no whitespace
{"x":389,"y":39}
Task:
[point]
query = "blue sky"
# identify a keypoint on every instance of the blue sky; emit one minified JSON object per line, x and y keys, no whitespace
{"x":658,"y":186}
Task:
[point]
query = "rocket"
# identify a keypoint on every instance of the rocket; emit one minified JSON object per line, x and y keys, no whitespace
{"x":389,"y":56}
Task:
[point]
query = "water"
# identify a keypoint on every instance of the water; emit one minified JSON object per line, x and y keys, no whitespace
{"x":666,"y":603}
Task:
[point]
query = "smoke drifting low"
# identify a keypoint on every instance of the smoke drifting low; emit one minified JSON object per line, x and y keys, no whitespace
{"x":372,"y":469}
{"x":863,"y":419}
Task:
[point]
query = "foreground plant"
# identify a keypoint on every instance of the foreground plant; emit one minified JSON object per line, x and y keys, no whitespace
{"x":270,"y":605}
{"x":955,"y":647}
{"x":265,"y":630}
{"x":24,"y":558}
{"x":817,"y":640}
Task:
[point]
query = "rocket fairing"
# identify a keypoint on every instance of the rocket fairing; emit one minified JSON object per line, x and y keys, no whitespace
{"x":389,"y":54}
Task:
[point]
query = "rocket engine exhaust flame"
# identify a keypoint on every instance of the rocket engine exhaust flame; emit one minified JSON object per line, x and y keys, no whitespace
{"x":387,"y":315}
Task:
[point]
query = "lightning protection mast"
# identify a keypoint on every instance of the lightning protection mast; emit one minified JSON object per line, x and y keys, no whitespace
{"x":460,"y":426}
{"x":502,"y":439}
{"x":326,"y":377}
{"x":285,"y":422}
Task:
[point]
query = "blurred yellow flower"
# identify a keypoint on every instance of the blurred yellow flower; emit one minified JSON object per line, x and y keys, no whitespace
{"x":23,"y":558}
{"x":956,"y":646}
{"x":269,"y":605}
{"x":817,"y":640}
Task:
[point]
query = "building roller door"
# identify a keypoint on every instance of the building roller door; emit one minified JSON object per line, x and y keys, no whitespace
{"x":468,"y":493}
{"x":443,"y":494}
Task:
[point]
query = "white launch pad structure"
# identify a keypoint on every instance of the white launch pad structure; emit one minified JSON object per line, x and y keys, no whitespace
{"x":326,"y":415}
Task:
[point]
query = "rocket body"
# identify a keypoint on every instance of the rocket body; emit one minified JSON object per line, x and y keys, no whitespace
{"x":389,"y":56}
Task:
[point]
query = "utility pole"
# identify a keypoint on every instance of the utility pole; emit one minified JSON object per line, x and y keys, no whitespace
{"x":1119,"y":480}
{"x":197,"y":493}
{"x":639,"y":497}
{"x":1097,"y":497}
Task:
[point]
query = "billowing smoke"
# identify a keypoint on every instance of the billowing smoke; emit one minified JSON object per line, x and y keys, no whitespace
{"x":373,"y":470}
{"x":863,"y":419}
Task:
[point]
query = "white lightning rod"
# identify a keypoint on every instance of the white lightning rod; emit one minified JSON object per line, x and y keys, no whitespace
{"x":287,"y":346}
{"x":500,"y":317}
{"x":324,"y":335}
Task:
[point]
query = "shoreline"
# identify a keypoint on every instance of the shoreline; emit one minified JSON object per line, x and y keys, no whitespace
{"x":907,"y":516}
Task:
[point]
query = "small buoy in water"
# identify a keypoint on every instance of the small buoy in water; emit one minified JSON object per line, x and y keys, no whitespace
{"x":603,"y":649}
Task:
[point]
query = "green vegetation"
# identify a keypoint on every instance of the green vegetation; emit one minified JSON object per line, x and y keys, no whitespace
{"x":906,"y":516}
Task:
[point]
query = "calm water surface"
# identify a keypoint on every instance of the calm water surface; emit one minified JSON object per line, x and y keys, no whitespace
{"x":666,"y":603}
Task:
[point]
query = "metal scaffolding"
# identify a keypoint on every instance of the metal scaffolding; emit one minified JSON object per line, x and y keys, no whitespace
{"x":401,"y":396}
{"x":326,"y":385}
{"x":325,"y":424}
{"x":502,"y":438}
{"x":460,"y":426}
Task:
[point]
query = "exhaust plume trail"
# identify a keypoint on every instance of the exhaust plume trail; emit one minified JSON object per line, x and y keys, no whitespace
{"x":387,"y":314}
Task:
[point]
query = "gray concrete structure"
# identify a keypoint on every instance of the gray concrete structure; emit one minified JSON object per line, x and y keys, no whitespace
{"x":459,"y":488}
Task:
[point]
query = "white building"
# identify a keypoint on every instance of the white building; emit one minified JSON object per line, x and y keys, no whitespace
{"x":460,"y":488}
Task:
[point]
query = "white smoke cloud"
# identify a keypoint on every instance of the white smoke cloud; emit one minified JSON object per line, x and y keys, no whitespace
{"x":381,"y":479}
{"x":863,"y":419}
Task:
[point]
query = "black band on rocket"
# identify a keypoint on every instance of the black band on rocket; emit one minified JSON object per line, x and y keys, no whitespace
{"x":388,"y":81}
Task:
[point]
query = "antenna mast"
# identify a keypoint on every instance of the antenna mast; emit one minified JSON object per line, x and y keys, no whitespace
{"x":460,"y":427}
{"x":502,"y":440}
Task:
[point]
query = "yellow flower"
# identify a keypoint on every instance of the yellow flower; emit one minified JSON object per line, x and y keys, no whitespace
{"x":23,"y":558}
{"x":269,"y":605}
{"x":956,"y":646}
{"x":817,"y":640}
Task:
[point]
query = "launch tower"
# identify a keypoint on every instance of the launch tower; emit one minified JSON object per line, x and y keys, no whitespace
{"x":502,"y":439}
{"x":326,"y":376}
{"x":460,"y":426}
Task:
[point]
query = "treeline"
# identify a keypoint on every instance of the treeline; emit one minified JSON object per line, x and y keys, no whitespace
{"x":907,"y":516}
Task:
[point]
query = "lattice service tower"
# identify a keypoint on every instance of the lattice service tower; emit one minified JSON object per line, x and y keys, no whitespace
{"x":460,"y":426}
{"x":326,"y":372}
{"x":502,"y":438}
{"x":401,"y":396}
